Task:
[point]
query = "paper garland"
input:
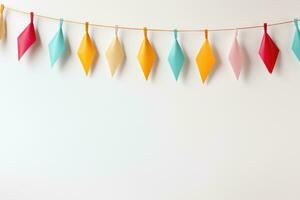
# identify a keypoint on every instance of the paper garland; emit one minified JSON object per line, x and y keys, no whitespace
{"x":115,"y":54}
{"x":86,"y":51}
{"x":57,"y":45}
{"x":27,"y":38}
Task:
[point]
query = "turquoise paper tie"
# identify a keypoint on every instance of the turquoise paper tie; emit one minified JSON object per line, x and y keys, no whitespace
{"x":296,"y":42}
{"x":176,"y":57}
{"x":57,"y":45}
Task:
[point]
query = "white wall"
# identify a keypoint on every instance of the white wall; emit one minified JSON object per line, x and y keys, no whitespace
{"x":66,"y":137}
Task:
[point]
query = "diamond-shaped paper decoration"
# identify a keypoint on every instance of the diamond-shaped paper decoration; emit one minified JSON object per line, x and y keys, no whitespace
{"x":57,"y":45}
{"x":268,"y":51}
{"x":236,"y":57}
{"x":205,"y":59}
{"x":176,"y":57}
{"x":27,"y":38}
{"x":115,"y":54}
{"x":296,"y":41}
{"x":2,"y":23}
{"x":146,"y":55}
{"x":86,"y":51}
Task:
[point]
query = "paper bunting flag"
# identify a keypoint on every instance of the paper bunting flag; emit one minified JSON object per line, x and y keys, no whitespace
{"x":268,"y":50}
{"x":296,"y":41}
{"x":236,"y":57}
{"x":27,"y":38}
{"x":115,"y":53}
{"x":146,"y":55}
{"x":205,"y":59}
{"x":57,"y":45}
{"x":2,"y":23}
{"x":176,"y":57}
{"x":86,"y":51}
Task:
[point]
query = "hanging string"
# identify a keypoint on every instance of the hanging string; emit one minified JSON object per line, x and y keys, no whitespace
{"x":150,"y":29}
{"x":206,"y":34}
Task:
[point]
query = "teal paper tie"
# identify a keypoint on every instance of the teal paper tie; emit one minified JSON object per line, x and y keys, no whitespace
{"x":57,"y":45}
{"x":176,"y":57}
{"x":296,"y":41}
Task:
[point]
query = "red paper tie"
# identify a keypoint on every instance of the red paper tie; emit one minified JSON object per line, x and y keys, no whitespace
{"x":268,"y":50}
{"x":27,"y":38}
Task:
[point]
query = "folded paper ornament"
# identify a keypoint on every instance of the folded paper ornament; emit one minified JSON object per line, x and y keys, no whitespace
{"x":2,"y":23}
{"x":205,"y":59}
{"x":176,"y":57}
{"x":57,"y":45}
{"x":268,"y":51}
{"x":86,"y":51}
{"x":235,"y":56}
{"x":115,"y":54}
{"x":296,"y":41}
{"x":146,"y":55}
{"x":27,"y":38}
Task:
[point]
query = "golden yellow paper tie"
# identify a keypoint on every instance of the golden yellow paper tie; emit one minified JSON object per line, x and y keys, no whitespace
{"x":86,"y":51}
{"x":205,"y":59}
{"x":115,"y":53}
{"x":2,"y":23}
{"x":146,"y":55}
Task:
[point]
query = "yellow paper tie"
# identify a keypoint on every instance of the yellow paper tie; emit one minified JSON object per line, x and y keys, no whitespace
{"x":2,"y":23}
{"x":205,"y":59}
{"x":146,"y":55}
{"x":86,"y":51}
{"x":115,"y":53}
